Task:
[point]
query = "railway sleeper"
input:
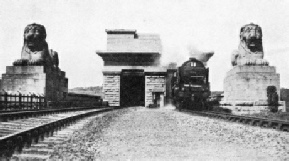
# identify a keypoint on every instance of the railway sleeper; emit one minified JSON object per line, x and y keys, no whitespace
{"x":16,"y":143}
{"x":284,"y":127}
{"x":275,"y":125}
{"x":12,"y":145}
{"x":239,"y":120}
{"x":219,"y":116}
{"x":265,"y":124}
{"x":234,"y":119}
{"x":246,"y":121}
{"x":255,"y":122}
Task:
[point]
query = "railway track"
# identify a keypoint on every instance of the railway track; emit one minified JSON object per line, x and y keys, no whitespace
{"x":21,"y":114}
{"x":17,"y":134}
{"x":254,"y":121}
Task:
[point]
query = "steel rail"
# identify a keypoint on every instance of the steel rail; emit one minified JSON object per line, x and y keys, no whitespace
{"x":15,"y":139}
{"x":281,"y":125}
{"x":13,"y":115}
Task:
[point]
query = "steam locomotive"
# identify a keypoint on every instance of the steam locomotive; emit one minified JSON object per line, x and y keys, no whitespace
{"x":190,"y":85}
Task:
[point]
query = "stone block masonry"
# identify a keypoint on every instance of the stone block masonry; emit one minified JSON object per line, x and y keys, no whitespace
{"x":25,"y":79}
{"x":249,"y":83}
{"x":245,"y":89}
{"x":127,"y":49}
{"x":111,"y":89}
{"x":154,"y":84}
{"x":130,"y":41}
{"x":35,"y":79}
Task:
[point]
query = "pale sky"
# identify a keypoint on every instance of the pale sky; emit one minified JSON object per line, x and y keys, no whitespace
{"x":76,"y":29}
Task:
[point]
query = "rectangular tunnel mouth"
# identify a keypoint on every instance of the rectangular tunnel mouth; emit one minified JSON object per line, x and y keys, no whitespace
{"x":132,"y":87}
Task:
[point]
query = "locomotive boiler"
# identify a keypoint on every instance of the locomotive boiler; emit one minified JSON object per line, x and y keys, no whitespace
{"x":191,"y":87}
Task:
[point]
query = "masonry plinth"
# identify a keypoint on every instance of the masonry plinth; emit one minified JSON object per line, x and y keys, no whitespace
{"x":245,"y":88}
{"x":35,"y":80}
{"x":249,"y":83}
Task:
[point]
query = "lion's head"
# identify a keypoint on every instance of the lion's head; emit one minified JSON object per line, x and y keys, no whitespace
{"x":35,"y":49}
{"x":34,"y":37}
{"x":251,"y":37}
{"x":250,"y":50}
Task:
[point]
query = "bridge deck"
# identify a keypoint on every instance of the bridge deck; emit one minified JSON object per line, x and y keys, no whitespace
{"x":163,"y":134}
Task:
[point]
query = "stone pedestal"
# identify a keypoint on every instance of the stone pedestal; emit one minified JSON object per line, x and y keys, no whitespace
{"x":48,"y":82}
{"x":249,"y":83}
{"x":246,"y":87}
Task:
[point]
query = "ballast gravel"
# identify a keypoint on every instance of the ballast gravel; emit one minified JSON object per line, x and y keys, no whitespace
{"x":139,"y":133}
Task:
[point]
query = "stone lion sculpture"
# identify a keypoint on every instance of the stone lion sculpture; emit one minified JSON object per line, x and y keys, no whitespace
{"x":35,"y":49}
{"x":250,"y":50}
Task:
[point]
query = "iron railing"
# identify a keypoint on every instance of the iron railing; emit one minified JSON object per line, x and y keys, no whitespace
{"x":20,"y":101}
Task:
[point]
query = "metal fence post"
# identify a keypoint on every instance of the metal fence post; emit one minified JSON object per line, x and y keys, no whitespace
{"x":1,"y":101}
{"x":31,"y":100}
{"x":20,"y":101}
{"x":6,"y":100}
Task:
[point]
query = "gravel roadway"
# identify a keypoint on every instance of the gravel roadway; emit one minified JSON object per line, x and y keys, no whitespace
{"x":140,"y":133}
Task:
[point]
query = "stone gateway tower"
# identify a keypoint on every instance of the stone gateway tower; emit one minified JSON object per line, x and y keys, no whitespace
{"x":132,"y":75}
{"x":245,"y":86}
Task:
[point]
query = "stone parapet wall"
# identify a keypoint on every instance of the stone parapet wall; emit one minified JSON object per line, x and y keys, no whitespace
{"x":240,"y":108}
{"x":154,"y":84}
{"x":111,"y":89}
{"x":249,"y":83}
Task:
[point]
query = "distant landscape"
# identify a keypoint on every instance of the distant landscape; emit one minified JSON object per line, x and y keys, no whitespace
{"x":96,"y":91}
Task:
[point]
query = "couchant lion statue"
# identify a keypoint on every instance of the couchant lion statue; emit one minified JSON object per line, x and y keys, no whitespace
{"x":250,"y":50}
{"x":35,"y":49}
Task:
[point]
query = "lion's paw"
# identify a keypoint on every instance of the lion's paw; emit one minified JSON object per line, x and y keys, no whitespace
{"x":35,"y":62}
{"x":20,"y":62}
{"x":262,"y":62}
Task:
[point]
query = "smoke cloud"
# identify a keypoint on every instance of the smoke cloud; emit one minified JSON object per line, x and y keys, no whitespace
{"x":199,"y":55}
